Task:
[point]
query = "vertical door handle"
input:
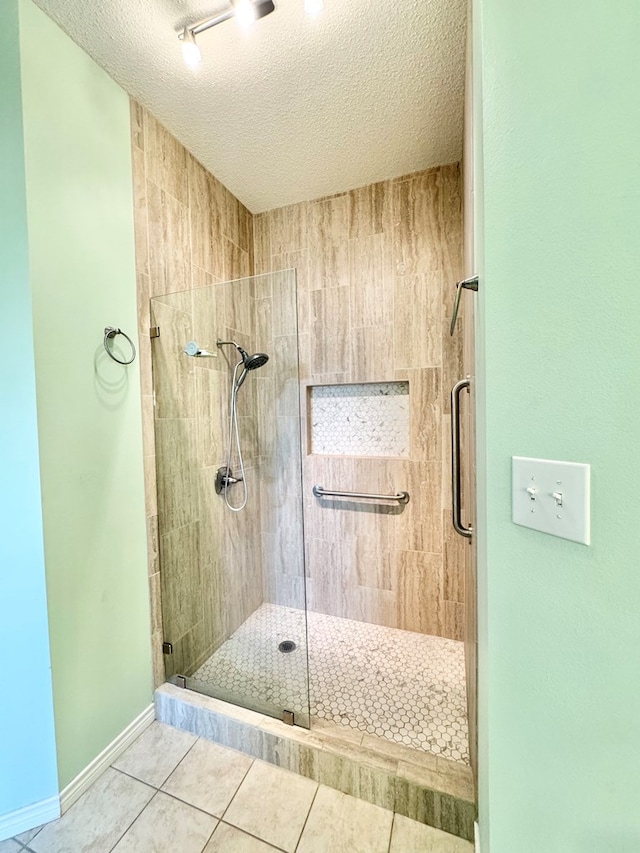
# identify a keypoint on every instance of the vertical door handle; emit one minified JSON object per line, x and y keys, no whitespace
{"x":456,"y":476}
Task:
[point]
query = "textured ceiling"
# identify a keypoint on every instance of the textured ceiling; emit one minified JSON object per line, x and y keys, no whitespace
{"x":295,"y":107}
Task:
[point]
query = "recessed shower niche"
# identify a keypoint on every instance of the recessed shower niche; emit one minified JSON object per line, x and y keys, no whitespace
{"x":363,"y":419}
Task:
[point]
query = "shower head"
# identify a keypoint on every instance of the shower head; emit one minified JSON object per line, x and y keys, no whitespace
{"x":258,"y":359}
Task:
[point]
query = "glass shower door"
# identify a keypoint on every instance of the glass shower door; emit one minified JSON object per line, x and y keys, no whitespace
{"x":230,"y":493}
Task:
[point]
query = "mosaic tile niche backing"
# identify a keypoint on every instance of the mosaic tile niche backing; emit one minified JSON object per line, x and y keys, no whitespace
{"x":371,"y":419}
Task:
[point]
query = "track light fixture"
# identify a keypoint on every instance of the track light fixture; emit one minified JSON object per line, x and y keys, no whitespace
{"x":246,"y":12}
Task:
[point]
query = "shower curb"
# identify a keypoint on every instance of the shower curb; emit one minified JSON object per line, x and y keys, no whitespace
{"x":416,"y":790}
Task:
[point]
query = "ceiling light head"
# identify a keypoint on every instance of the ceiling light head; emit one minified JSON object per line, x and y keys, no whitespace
{"x":245,"y":12}
{"x":313,"y":7}
{"x":190,"y":50}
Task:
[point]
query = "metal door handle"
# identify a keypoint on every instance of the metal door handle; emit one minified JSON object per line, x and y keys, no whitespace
{"x":465,"y":284}
{"x":456,"y":478}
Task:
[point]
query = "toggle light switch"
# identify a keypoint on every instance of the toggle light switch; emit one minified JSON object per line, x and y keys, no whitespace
{"x":552,"y":497}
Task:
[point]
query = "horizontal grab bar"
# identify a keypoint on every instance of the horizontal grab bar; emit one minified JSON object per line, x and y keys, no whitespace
{"x":401,"y":497}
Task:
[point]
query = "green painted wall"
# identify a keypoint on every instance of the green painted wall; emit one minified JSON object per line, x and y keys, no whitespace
{"x":559,"y":377}
{"x":81,"y":252}
{"x":27,"y":741}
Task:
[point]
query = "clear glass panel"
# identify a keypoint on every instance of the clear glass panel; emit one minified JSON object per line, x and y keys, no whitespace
{"x":233,"y":585}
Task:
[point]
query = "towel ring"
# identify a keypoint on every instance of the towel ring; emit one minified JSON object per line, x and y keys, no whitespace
{"x":109,"y":333}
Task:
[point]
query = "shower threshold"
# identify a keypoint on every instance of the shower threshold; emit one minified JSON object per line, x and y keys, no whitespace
{"x":367,"y":683}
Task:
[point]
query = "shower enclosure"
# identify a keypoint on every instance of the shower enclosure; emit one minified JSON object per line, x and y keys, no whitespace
{"x":227,"y":428}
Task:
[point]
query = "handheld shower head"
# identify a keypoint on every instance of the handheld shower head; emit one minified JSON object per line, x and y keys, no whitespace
{"x":251,"y":362}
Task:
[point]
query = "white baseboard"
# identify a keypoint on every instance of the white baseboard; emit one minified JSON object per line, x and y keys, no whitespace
{"x":109,"y":754}
{"x":476,"y":835}
{"x":29,"y":816}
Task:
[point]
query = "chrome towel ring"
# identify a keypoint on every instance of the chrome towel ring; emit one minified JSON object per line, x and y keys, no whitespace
{"x":109,"y":333}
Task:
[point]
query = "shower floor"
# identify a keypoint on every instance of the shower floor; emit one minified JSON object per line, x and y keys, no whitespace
{"x":402,"y":686}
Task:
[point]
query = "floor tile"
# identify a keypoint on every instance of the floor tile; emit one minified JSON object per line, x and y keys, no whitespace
{"x":163,"y":821}
{"x":208,"y":777}
{"x":155,"y":754}
{"x":11,"y":846}
{"x":339,"y":823}
{"x":25,"y":837}
{"x":272,"y":804}
{"x":228,"y":839}
{"x":409,"y":836}
{"x":99,"y":818}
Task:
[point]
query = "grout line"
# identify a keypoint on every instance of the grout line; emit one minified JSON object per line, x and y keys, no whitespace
{"x":133,"y":821}
{"x":304,"y":825}
{"x":253,"y":761}
{"x":251,"y":835}
{"x":393,"y":821}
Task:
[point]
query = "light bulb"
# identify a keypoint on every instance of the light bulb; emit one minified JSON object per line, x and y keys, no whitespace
{"x":190,"y":50}
{"x":245,"y":12}
{"x":313,"y":7}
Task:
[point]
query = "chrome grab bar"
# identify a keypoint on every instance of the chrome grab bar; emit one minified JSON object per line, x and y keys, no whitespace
{"x":465,"y":284}
{"x":401,"y":497}
{"x":456,"y":478}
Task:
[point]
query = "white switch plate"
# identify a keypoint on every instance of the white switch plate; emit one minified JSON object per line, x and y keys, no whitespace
{"x":568,"y":514}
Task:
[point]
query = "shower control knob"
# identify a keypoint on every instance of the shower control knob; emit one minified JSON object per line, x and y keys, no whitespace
{"x":224,"y":479}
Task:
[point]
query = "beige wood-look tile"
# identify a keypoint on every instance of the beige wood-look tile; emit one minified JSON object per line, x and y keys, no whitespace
{"x":144,"y":364}
{"x":155,"y":830}
{"x":272,"y":804}
{"x":140,"y":211}
{"x":339,"y":823}
{"x":327,"y":220}
{"x":369,"y":210}
{"x":452,"y":368}
{"x":409,"y":836}
{"x":371,"y":354}
{"x":418,"y":321}
{"x":98,"y":819}
{"x":458,"y":778}
{"x":155,"y":603}
{"x":426,"y":400}
{"x":169,"y":242}
{"x":420,"y":605}
{"x":238,"y":314}
{"x":231,"y":218}
{"x":157,"y":660}
{"x":236,"y":261}
{"x":166,"y":160}
{"x":228,"y":839}
{"x":289,"y":231}
{"x":208,"y":777}
{"x":136,"y":113}
{"x":328,"y":264}
{"x":453,"y":621}
{"x":417,"y":224}
{"x":153,"y":545}
{"x":143,"y":288}
{"x":452,"y":269}
{"x":148,"y":433}
{"x":173,"y":372}
{"x":455,"y":552}
{"x":284,"y":304}
{"x":264,"y":327}
{"x":150,"y":487}
{"x":181,"y":600}
{"x":369,"y":604}
{"x":451,"y":193}
{"x":330,"y":330}
{"x":204,"y":220}
{"x":419,"y":526}
{"x":155,"y":754}
{"x":210,"y":419}
{"x":261,"y":243}
{"x":371,"y":279}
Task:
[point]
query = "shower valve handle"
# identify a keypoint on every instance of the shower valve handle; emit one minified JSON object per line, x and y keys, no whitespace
{"x":224,"y":479}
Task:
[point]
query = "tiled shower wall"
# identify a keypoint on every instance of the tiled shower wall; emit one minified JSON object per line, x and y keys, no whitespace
{"x":190,"y":232}
{"x":376,"y":270}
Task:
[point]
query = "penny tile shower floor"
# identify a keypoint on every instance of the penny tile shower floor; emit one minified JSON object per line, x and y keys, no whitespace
{"x":406,"y":687}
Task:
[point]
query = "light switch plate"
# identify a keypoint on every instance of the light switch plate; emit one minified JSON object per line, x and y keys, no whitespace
{"x":553,"y":497}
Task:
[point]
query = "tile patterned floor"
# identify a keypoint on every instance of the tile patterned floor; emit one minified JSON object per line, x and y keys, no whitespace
{"x":405,"y":687}
{"x":174,"y":793}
